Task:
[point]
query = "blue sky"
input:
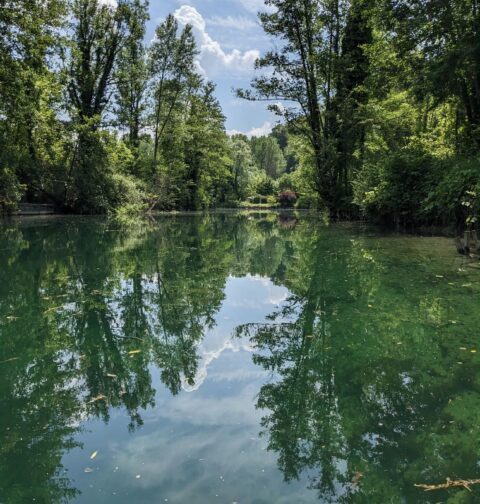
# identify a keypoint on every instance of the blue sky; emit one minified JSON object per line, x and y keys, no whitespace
{"x":229,"y":38}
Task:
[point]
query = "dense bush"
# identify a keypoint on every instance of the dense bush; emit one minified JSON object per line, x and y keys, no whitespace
{"x":287,"y":199}
{"x":394,"y":189}
{"x":287,"y":182}
{"x":11,"y":190}
{"x":264,"y":186}
{"x":454,"y":196}
{"x":414,"y":187}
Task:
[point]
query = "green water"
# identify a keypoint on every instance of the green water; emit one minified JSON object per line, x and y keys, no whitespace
{"x":235,"y":358}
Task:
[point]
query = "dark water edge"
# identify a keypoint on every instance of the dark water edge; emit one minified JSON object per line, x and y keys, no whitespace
{"x":448,"y":230}
{"x":235,"y":357}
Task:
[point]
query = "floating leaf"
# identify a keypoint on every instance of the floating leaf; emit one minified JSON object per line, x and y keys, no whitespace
{"x":100,"y":397}
{"x":54,"y":308}
{"x":133,"y":352}
{"x":439,"y":276}
{"x":110,"y":375}
{"x":88,"y":470}
{"x":93,"y":455}
{"x":9,"y":360}
{"x":357,"y":476}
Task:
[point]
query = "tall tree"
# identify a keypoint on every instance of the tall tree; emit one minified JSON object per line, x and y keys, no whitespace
{"x":269,"y":155}
{"x":30,"y":42}
{"x":304,"y":74}
{"x":351,"y":96}
{"x":317,"y":71}
{"x":206,"y":150}
{"x":439,"y":39}
{"x":172,"y":67}
{"x":132,"y":74}
{"x":243,"y":166}
{"x":100,"y":31}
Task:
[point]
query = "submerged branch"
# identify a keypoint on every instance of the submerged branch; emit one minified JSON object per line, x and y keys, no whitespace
{"x":449,"y":484}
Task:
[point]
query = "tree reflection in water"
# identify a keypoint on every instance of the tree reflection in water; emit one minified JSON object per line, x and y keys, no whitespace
{"x":366,"y":396}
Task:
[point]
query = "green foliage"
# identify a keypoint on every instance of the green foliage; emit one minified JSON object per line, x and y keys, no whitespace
{"x":244,"y":169}
{"x":132,"y":75}
{"x":395,"y":190}
{"x":287,"y":182}
{"x":264,"y":186}
{"x":268,"y":155}
{"x":379,"y":101}
{"x":455,"y":195}
{"x":10,"y":190}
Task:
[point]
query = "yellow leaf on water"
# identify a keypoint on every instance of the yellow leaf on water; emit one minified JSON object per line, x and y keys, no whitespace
{"x":93,"y":455}
{"x":370,"y":306}
{"x":439,"y":276}
{"x":100,"y":397}
{"x":133,"y":352}
{"x":462,"y":348}
{"x":110,"y":375}
{"x":473,"y":351}
{"x":53,"y":308}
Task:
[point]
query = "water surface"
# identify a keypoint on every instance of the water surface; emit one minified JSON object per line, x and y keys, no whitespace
{"x":235,"y":358}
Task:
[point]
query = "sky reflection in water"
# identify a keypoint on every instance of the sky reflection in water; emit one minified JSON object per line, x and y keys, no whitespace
{"x":234,"y":358}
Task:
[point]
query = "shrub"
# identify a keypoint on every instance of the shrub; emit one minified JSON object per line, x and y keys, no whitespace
{"x":309,"y":201}
{"x":287,"y":199}
{"x":454,"y":194}
{"x":11,"y":190}
{"x":265,"y":186}
{"x":394,"y":189}
{"x":287,"y":182}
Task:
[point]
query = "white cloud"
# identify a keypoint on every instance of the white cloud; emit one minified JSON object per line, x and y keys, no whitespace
{"x":212,"y":58}
{"x":232,"y":22}
{"x":208,"y":356}
{"x":109,"y":3}
{"x":263,"y":130}
{"x":253,"y":5}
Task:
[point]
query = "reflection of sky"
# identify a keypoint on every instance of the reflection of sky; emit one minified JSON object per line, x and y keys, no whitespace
{"x":203,"y":445}
{"x":247,"y":300}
